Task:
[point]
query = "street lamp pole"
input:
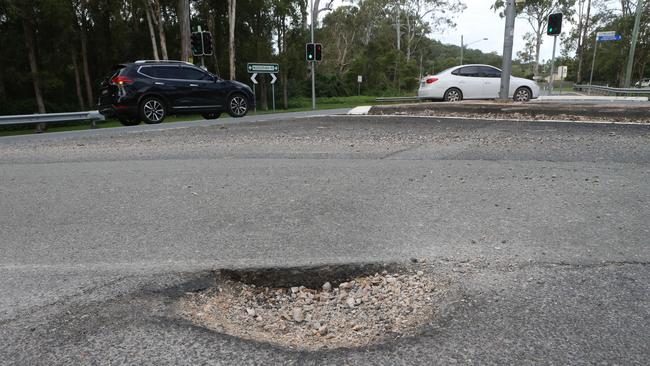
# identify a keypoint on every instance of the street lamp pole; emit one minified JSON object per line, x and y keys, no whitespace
{"x":462,"y":46}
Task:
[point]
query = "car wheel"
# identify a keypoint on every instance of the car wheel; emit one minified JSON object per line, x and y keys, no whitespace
{"x":237,"y":105}
{"x":522,"y":95}
{"x":129,"y":121}
{"x":211,"y":115}
{"x":152,"y":110}
{"x":453,"y":95}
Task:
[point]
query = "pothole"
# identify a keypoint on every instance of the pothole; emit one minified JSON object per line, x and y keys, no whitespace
{"x":316,"y":308}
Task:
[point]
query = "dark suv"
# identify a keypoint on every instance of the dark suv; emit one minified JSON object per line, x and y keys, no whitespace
{"x":151,"y":90}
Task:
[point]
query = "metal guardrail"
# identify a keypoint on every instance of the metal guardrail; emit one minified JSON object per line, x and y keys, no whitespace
{"x":396,"y":99}
{"x":616,"y":91}
{"x":92,"y":116}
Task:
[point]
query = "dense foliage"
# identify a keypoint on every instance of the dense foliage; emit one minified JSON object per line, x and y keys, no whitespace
{"x":58,"y":51}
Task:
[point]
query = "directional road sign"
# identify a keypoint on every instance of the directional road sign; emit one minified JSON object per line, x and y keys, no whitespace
{"x":253,"y":78}
{"x":607,"y":36}
{"x":262,"y":68}
{"x":273,"y":78}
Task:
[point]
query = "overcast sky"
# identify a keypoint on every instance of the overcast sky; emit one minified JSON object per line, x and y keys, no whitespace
{"x":478,"y":21}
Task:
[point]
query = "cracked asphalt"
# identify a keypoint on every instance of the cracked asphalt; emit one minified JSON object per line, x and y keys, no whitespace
{"x":542,"y":227}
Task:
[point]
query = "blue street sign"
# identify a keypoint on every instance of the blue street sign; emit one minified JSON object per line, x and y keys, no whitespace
{"x":608,"y":38}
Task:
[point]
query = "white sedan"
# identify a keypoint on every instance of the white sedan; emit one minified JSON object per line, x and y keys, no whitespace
{"x":474,"y":82}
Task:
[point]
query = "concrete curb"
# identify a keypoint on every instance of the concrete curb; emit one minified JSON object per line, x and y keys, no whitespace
{"x":550,"y":110}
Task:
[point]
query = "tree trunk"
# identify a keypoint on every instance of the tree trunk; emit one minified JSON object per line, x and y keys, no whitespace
{"x":538,"y":44}
{"x":583,"y":44}
{"x":212,"y":29}
{"x":77,"y":80}
{"x":285,"y":90}
{"x":3,"y":90}
{"x":160,"y":24}
{"x":303,"y":15}
{"x":84,"y":60}
{"x":232,"y":5}
{"x":28,"y":28}
{"x":183,"y":12}
{"x":152,"y":34}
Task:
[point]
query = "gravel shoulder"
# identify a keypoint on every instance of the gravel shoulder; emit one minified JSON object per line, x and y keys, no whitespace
{"x":574,"y":112}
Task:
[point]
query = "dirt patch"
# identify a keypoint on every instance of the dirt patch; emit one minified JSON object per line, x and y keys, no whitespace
{"x":363,"y":309}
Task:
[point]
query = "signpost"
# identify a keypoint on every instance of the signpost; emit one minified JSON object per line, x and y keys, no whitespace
{"x":263,"y":68}
{"x":601,"y":37}
{"x":359,"y":80}
{"x":562,"y":72}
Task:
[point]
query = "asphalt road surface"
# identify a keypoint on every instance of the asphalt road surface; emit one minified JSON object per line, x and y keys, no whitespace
{"x":542,"y":227}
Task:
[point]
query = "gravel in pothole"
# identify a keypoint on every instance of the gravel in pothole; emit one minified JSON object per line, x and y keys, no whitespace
{"x":362,"y":311}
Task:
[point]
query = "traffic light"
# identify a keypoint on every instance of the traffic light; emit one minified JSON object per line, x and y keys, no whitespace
{"x":197,"y":44}
{"x":311,"y":52}
{"x":319,"y":51}
{"x":554,"y":24}
{"x":207,"y":43}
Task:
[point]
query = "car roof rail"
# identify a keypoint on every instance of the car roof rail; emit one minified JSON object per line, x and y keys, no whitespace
{"x":163,"y":61}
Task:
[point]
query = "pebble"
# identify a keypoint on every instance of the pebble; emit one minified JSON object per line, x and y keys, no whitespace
{"x":297,"y":315}
{"x":327,"y":286}
{"x":322,"y":330}
{"x":346,"y":285}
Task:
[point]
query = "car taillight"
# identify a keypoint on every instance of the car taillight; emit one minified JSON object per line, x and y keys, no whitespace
{"x":121,"y":80}
{"x":431,"y":80}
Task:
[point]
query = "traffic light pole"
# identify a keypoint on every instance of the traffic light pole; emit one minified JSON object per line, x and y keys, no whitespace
{"x":506,"y":66}
{"x":313,"y":62}
{"x":550,"y":90}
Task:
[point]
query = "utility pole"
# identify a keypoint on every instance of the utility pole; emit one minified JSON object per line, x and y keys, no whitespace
{"x":313,"y":62}
{"x":635,"y":35}
{"x":507,"y":50}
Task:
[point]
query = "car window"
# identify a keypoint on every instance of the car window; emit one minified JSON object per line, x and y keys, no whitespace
{"x":194,"y":74}
{"x":489,"y":72}
{"x":471,"y":71}
{"x":166,"y":72}
{"x":149,"y":71}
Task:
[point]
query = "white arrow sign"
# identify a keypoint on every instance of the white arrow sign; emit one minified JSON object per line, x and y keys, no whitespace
{"x":253,"y":78}
{"x":273,"y":78}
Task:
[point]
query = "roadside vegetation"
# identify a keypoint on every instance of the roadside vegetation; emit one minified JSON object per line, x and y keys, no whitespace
{"x":56,"y":52}
{"x":295,"y":105}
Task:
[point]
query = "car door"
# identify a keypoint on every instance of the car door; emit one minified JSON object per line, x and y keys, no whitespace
{"x":468,"y":82}
{"x":491,"y":79}
{"x":204,"y":92}
{"x":168,"y":81}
